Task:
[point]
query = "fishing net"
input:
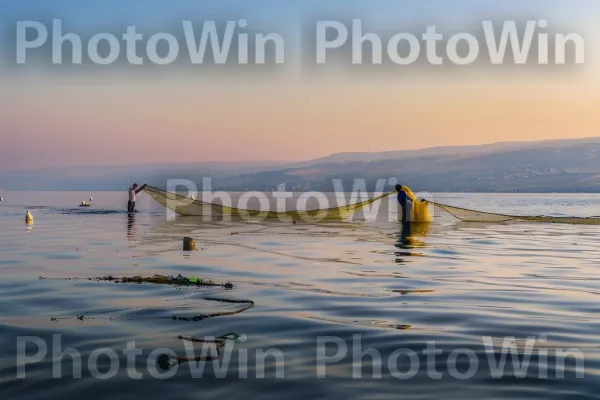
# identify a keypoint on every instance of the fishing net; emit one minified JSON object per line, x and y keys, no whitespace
{"x":190,"y":207}
{"x":467,"y":215}
{"x":420,"y":213}
{"x":420,"y":209}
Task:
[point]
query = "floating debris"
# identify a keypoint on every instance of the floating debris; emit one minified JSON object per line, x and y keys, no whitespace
{"x":189,"y":244}
{"x":166,"y":361}
{"x":404,"y":292}
{"x":178,"y":280}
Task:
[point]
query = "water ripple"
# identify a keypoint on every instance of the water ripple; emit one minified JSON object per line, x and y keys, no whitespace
{"x":351,"y":284}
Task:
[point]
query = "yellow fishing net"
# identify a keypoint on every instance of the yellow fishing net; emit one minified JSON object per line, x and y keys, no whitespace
{"x":420,"y":210}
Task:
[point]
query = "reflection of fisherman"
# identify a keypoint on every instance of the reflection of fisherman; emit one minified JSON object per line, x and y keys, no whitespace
{"x":406,"y":233}
{"x":131,"y":226}
{"x":406,"y":204}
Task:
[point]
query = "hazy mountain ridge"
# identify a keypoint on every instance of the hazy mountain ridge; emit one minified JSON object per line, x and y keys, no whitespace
{"x":448,"y":150}
{"x":556,"y":166}
{"x":549,"y":166}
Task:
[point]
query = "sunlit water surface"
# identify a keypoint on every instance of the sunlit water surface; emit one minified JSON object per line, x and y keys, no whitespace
{"x":354,"y":285}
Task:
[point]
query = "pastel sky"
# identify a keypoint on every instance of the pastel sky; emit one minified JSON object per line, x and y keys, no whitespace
{"x":62,"y":115}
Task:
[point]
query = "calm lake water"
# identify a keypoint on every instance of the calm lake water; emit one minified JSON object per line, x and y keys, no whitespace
{"x":352,"y":310}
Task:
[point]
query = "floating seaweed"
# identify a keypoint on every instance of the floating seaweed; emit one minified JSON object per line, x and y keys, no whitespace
{"x":178,"y":280}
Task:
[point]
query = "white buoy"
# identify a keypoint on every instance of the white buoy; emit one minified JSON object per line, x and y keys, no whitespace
{"x":28,"y":218}
{"x":1,"y":198}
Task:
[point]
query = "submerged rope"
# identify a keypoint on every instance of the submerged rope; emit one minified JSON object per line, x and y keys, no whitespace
{"x":249,"y":303}
{"x":166,"y":361}
{"x":196,"y":318}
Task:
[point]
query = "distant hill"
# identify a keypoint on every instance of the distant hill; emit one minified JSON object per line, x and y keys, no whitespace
{"x":548,"y":166}
{"x":447,"y":150}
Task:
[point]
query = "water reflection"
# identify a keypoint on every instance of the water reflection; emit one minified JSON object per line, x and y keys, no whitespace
{"x":407,"y":239}
{"x":131,"y":226}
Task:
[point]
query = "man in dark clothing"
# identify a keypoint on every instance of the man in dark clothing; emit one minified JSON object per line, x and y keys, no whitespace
{"x":405,"y":203}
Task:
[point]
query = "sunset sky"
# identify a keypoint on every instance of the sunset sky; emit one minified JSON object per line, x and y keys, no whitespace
{"x":118,"y":114}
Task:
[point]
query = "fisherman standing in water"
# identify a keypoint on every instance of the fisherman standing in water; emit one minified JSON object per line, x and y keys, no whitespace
{"x":133,"y":190}
{"x":406,"y":204}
